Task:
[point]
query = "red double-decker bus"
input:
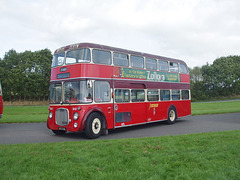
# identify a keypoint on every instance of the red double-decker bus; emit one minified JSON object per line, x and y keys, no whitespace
{"x":95,"y":88}
{"x":1,"y":101}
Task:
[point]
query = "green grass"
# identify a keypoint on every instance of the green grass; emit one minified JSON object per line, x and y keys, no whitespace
{"x":198,"y":156}
{"x":23,"y":114}
{"x":215,"y":107}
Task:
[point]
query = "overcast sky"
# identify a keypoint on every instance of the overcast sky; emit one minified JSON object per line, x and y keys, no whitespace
{"x":196,"y":31}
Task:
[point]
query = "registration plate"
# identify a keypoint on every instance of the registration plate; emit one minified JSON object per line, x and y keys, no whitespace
{"x":62,"y":129}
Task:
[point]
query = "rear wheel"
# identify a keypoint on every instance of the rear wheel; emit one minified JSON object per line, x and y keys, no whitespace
{"x":172,"y":115}
{"x":93,"y":126}
{"x":59,"y":132}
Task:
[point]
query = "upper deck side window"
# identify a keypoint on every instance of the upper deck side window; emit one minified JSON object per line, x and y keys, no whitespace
{"x":101,"y":57}
{"x":120,"y":59}
{"x":173,"y":67}
{"x":78,"y":56}
{"x":151,"y":64}
{"x":163,"y":65}
{"x":183,"y":69}
{"x":116,"y":58}
{"x":137,"y":61}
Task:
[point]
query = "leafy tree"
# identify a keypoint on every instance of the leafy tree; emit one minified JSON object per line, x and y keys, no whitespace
{"x":26,"y":76}
{"x":195,"y":74}
{"x":220,"y":79}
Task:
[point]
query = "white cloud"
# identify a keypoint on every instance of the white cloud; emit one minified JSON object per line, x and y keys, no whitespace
{"x":197,"y":31}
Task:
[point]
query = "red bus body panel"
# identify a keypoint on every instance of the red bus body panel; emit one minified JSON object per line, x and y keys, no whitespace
{"x":84,"y":111}
{"x":84,"y":71}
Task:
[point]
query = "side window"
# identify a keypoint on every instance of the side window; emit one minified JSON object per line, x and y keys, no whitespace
{"x":185,"y":95}
{"x":86,"y":92}
{"x":58,"y":59}
{"x":120,"y":60}
{"x":162,"y":65}
{"x":137,"y":62}
{"x":122,"y":95}
{"x":101,"y":57}
{"x":173,"y":67}
{"x":175,"y":95}
{"x":152,"y":95}
{"x":137,"y":95}
{"x":151,"y":64}
{"x":183,"y":69}
{"x":164,"y":95}
{"x":78,"y":56}
{"x":102,"y":91}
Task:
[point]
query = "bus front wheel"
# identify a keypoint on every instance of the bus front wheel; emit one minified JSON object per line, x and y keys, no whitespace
{"x":172,"y":115}
{"x":93,"y":126}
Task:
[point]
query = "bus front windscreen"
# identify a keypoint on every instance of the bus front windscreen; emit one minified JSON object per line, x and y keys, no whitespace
{"x":70,"y":92}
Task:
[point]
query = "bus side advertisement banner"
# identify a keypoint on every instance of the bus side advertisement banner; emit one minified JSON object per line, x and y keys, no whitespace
{"x":149,"y":75}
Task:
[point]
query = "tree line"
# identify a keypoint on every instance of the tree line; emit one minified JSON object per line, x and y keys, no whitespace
{"x":218,"y":80}
{"x":25,"y":76}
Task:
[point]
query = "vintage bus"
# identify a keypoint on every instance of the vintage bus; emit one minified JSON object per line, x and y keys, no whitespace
{"x":1,"y":102}
{"x":94,"y":88}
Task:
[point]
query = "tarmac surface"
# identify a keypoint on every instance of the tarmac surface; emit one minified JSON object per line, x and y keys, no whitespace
{"x":19,"y":133}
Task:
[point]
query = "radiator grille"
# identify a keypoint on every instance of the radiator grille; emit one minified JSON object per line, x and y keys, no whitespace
{"x":62,"y":117}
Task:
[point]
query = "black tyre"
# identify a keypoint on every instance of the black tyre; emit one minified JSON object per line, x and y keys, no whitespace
{"x":59,"y":132}
{"x":172,"y":115}
{"x":93,"y":126}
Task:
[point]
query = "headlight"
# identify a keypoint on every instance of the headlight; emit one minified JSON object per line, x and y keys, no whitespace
{"x":75,"y":116}
{"x":50,"y":115}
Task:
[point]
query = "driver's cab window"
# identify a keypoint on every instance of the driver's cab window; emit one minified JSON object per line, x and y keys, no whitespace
{"x":102,"y":91}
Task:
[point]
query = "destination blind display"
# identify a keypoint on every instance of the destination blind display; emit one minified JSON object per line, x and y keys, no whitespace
{"x":149,"y":75}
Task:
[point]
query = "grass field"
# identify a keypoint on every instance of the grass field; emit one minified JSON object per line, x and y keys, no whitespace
{"x":198,"y":156}
{"x":22,"y":114}
{"x":215,"y":107}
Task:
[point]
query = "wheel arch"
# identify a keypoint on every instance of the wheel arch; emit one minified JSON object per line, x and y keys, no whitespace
{"x":97,"y":110}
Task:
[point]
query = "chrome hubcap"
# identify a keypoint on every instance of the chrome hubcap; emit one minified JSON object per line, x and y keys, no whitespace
{"x":96,"y":126}
{"x":172,"y":115}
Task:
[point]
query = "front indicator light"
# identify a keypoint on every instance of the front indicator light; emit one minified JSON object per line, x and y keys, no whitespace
{"x":50,"y":115}
{"x":75,"y":116}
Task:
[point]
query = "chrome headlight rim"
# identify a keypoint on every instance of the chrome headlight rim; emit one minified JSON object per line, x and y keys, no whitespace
{"x":75,"y":116}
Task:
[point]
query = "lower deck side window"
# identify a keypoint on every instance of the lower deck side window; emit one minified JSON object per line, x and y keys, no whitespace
{"x":137,"y":95}
{"x":152,"y":95}
{"x":122,"y":95}
{"x":185,"y":95}
{"x":175,"y":94}
{"x":165,"y":95}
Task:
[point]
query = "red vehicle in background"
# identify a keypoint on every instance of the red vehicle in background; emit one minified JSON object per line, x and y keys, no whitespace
{"x":94,"y":88}
{"x":1,"y":102}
